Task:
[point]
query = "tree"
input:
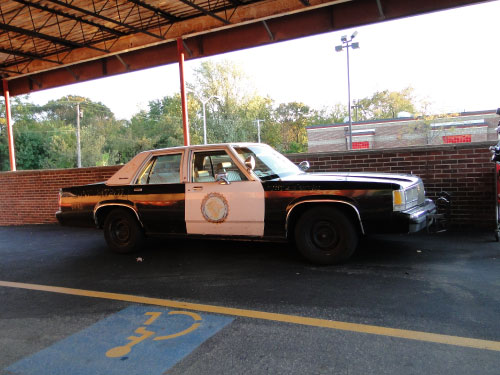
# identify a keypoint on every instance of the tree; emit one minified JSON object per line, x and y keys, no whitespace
{"x":64,"y":109}
{"x":292,"y":119}
{"x":29,"y":141}
{"x":328,"y":116}
{"x":387,"y":104}
{"x":100,"y":131}
{"x":232,"y":117}
{"x":157,"y":127}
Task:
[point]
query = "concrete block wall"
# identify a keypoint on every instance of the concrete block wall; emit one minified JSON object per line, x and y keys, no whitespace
{"x":464,"y":170}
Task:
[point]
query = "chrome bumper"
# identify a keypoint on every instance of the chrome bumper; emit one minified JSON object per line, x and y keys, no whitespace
{"x":420,"y":217}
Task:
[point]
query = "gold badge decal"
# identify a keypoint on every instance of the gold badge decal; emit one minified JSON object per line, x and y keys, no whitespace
{"x":214,"y":208}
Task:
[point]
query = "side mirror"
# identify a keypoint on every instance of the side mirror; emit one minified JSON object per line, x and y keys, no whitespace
{"x":304,"y":165}
{"x":250,"y":163}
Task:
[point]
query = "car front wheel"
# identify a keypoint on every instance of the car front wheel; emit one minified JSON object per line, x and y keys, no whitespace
{"x":325,"y":235}
{"x":122,"y":232}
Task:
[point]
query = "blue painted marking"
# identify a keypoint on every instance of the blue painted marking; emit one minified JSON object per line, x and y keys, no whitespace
{"x":85,"y":353}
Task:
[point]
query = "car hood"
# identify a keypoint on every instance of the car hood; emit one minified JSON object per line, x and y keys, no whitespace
{"x":403,"y":180}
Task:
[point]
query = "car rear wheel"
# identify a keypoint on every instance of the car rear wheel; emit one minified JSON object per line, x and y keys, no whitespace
{"x":122,"y":232}
{"x":325,"y":235}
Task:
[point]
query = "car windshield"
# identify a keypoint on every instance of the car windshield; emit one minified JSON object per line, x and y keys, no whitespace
{"x":269,"y":164}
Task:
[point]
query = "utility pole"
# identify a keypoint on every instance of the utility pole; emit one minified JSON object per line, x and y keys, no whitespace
{"x":204,"y":104}
{"x":78,"y":147}
{"x":355,"y":106}
{"x":258,"y":128}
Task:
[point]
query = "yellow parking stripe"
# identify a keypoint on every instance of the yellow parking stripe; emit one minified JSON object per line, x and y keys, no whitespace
{"x":313,"y":322}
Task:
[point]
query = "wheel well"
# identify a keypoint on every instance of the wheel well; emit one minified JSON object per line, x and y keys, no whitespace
{"x":349,"y":211}
{"x":103,"y":212}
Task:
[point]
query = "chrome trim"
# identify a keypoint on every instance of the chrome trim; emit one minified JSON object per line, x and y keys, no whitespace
{"x":140,"y":168}
{"x":150,"y":159}
{"x":66,"y":194}
{"x":410,"y":202}
{"x":324,"y":201}
{"x":99,"y":206}
{"x":229,"y":150}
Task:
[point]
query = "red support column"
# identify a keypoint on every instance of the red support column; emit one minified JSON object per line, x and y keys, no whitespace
{"x":185,"y":122}
{"x":10,"y":134}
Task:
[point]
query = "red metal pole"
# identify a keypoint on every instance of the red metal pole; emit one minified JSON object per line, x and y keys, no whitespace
{"x":185,"y":123}
{"x":10,"y":134}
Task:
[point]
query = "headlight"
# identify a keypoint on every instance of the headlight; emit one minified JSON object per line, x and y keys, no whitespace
{"x":405,"y":199}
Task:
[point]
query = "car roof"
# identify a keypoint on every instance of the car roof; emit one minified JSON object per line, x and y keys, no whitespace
{"x":126,"y":174}
{"x":212,"y":145}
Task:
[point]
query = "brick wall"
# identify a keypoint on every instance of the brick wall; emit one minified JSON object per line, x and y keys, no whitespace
{"x":464,"y":170}
{"x":31,"y":197}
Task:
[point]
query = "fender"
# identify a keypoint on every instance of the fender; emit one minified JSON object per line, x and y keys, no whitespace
{"x":125,"y":204}
{"x":292,"y":206}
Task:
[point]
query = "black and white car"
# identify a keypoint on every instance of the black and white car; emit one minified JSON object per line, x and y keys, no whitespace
{"x":245,"y":191}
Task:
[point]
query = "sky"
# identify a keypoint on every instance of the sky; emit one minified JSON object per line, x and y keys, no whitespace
{"x":450,"y":58}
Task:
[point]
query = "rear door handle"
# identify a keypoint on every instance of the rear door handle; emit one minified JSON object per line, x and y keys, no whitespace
{"x":137,"y":189}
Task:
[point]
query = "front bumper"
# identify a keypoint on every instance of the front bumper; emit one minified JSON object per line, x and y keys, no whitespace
{"x":419,"y":217}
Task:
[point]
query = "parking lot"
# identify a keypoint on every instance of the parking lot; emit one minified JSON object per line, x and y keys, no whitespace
{"x":420,"y":304}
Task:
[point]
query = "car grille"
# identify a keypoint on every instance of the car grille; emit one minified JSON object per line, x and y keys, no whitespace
{"x":415,"y":195}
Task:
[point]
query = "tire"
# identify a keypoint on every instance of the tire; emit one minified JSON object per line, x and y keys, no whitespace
{"x":324,"y":235}
{"x":122,"y":232}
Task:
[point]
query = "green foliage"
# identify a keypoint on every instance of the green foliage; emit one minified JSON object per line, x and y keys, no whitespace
{"x":386,"y":104}
{"x":159,"y":127}
{"x":45,"y":135}
{"x":292,"y":119}
{"x":232,"y":106}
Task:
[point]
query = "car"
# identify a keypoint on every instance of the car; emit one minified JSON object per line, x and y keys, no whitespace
{"x":245,"y":191}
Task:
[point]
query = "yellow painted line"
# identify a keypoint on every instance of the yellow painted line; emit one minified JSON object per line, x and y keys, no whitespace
{"x":313,"y":322}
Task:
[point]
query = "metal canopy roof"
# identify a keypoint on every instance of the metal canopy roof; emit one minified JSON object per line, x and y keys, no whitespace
{"x":49,"y":43}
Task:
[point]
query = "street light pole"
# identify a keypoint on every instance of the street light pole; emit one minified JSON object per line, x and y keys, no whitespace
{"x":349,"y":98}
{"x":347,"y":43}
{"x":204,"y":123}
{"x":203,"y":104}
{"x":78,"y":146}
{"x":258,"y":121}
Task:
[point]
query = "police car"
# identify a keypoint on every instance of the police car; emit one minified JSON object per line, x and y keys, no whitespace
{"x":245,"y":191}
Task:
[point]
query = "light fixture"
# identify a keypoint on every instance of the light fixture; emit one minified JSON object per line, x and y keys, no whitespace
{"x":348,"y":44}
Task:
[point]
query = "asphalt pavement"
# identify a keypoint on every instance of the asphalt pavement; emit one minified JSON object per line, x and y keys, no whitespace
{"x":404,"y":304}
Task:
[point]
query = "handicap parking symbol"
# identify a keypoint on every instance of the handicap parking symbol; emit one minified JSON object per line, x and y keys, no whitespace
{"x":139,"y":340}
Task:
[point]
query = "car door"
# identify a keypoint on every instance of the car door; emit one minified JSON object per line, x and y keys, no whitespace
{"x":221,"y":198}
{"x":159,"y":194}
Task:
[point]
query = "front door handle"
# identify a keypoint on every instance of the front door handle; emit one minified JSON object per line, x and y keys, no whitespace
{"x":197,"y":188}
{"x":137,"y":189}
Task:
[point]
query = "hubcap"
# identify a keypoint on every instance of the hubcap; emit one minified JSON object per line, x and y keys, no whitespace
{"x":121,"y":231}
{"x":324,"y":235}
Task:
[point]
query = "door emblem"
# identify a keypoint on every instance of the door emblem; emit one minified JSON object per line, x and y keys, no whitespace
{"x":214,"y":208}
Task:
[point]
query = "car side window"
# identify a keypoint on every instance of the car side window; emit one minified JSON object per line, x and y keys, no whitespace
{"x":163,"y":169}
{"x":207,"y":165}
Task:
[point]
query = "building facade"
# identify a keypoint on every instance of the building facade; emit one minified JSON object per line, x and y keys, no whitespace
{"x":464,"y":127}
